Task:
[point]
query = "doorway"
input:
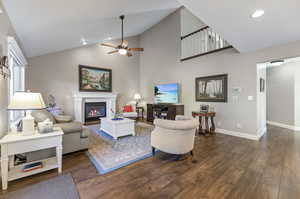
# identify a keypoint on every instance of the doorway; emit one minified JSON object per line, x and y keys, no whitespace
{"x":278,"y":86}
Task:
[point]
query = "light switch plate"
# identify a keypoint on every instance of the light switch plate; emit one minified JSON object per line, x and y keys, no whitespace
{"x":250,"y":98}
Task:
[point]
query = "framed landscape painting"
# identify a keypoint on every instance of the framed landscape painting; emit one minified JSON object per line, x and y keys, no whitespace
{"x":93,"y":79}
{"x":211,"y":88}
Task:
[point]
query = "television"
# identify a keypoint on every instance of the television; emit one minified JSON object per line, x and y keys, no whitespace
{"x":166,"y":93}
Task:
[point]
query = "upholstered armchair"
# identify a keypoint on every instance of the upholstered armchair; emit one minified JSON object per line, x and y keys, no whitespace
{"x":174,"y":136}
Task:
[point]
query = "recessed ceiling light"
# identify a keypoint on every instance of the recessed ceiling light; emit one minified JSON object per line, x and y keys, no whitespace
{"x":84,"y":42}
{"x":258,"y":13}
{"x":277,"y":62}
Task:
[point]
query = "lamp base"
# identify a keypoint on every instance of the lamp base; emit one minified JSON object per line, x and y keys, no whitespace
{"x":28,"y":124}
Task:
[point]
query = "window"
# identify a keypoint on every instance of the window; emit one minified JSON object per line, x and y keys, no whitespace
{"x":17,"y":63}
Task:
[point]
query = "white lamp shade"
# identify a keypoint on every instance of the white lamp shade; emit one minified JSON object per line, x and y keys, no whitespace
{"x":137,"y":96}
{"x":26,"y":101}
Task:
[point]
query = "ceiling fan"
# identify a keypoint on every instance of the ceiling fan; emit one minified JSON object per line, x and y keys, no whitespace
{"x":123,"y":48}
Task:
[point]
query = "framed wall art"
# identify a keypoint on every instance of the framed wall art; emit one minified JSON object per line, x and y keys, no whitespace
{"x":211,"y":88}
{"x":94,"y":79}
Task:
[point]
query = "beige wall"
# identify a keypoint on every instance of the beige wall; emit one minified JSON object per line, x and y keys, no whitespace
{"x":160,"y":64}
{"x":283,"y":94}
{"x":6,"y":29}
{"x":57,"y":73}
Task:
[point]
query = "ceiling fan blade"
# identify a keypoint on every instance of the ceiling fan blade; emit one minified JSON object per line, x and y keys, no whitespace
{"x":111,"y":52}
{"x":136,"y":49}
{"x":125,"y":43}
{"x":108,"y":45}
{"x":129,"y":54}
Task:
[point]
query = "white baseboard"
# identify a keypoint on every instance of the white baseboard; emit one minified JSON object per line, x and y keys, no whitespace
{"x":261,"y":132}
{"x":240,"y":134}
{"x":286,"y":126}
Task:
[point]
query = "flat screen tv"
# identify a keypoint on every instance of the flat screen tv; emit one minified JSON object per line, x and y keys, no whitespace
{"x":166,"y":93}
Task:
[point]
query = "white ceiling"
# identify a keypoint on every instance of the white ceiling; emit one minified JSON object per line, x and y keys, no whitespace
{"x":46,"y":26}
{"x":232,"y":20}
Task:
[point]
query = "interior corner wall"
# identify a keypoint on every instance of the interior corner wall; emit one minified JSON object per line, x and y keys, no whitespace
{"x":57,"y":73}
{"x":160,"y":63}
{"x":6,"y":29}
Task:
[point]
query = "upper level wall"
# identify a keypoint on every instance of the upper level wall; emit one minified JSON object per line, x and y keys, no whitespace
{"x":188,"y":22}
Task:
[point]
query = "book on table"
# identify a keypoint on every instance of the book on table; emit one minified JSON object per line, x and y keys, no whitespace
{"x":33,"y":166}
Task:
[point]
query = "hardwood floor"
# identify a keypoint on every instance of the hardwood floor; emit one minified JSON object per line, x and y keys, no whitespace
{"x":222,"y":167}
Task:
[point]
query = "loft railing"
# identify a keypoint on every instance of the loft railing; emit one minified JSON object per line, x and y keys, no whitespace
{"x":201,"y":42}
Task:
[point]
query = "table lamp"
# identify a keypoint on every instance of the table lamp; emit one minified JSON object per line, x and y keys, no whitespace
{"x":137,"y":97}
{"x":27,"y":101}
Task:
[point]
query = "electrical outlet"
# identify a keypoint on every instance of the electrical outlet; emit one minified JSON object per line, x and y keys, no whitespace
{"x":219,"y":123}
{"x":239,"y":126}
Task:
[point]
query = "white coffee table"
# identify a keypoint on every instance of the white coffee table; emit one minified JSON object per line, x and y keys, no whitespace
{"x":117,"y":128}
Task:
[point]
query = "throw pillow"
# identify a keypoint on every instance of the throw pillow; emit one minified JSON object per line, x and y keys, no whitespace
{"x":127,"y":109}
{"x":42,"y":115}
{"x":63,"y":118}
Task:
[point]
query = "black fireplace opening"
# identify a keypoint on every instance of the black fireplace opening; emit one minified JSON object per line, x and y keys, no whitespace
{"x":94,"y":111}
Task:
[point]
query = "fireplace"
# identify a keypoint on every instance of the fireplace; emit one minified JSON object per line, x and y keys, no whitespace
{"x":94,"y":111}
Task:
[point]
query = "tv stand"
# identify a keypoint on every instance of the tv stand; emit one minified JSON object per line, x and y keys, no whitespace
{"x":164,"y":111}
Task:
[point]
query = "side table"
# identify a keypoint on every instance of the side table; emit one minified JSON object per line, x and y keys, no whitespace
{"x":15,"y":143}
{"x":206,"y":115}
{"x":140,"y":109}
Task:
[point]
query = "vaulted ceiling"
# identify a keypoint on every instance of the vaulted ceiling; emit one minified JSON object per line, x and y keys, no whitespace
{"x":232,"y":19}
{"x":46,"y":26}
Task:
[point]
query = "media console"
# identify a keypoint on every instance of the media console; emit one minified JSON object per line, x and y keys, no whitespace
{"x":164,"y":111}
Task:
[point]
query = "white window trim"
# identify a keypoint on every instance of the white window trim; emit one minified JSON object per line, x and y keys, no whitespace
{"x":15,"y":51}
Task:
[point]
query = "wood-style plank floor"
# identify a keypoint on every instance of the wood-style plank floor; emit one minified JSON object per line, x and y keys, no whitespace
{"x":222,"y":167}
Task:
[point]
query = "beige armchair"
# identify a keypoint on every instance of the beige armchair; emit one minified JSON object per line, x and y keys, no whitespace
{"x":174,"y":136}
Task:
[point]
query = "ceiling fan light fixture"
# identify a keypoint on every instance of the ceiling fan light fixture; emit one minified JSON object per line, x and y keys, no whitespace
{"x":122,"y":51}
{"x":84,"y":42}
{"x":258,"y":13}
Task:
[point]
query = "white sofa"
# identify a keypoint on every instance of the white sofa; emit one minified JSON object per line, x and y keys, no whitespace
{"x":174,"y":136}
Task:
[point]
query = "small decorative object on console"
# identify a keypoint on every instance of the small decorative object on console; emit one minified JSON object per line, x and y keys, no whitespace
{"x":45,"y":126}
{"x":51,"y":101}
{"x":204,"y":108}
{"x":116,"y":114}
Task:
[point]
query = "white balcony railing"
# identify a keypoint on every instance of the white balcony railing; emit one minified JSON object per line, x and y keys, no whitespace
{"x":201,"y":42}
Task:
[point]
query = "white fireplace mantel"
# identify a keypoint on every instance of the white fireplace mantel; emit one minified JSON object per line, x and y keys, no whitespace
{"x":81,"y":98}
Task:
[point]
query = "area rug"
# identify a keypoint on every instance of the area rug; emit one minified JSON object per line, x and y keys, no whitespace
{"x":108,"y":154}
{"x":60,"y":187}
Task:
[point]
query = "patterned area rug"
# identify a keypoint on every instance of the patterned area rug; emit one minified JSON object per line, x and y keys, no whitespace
{"x":108,"y":154}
